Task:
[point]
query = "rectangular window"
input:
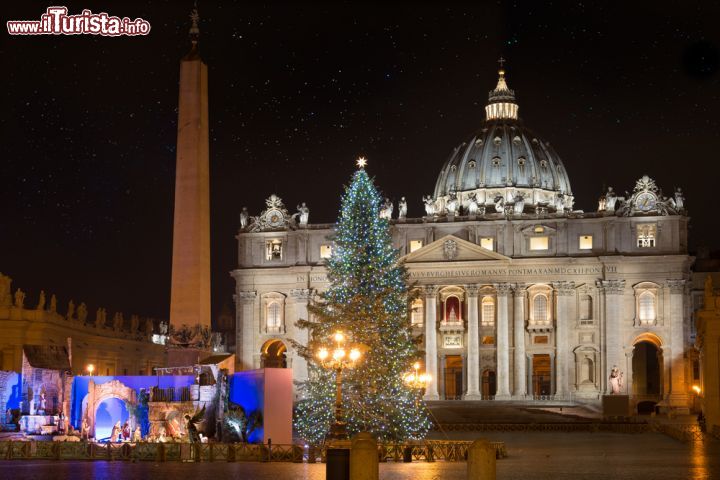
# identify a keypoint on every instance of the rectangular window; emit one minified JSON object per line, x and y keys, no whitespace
{"x":415,"y":245}
{"x":273,"y":250}
{"x":325,"y":251}
{"x":585,"y":242}
{"x":540,"y":340}
{"x":539,"y":243}
{"x":696,"y":369}
{"x":487,"y":243}
{"x":646,"y":236}
{"x":488,"y":340}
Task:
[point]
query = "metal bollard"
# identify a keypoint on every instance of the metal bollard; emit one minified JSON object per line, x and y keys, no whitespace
{"x":481,"y":461}
{"x":364,"y":457}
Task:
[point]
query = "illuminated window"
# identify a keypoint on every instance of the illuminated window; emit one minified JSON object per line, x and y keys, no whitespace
{"x":274,"y":317}
{"x":325,"y":251}
{"x":488,"y":340}
{"x":487,"y":243}
{"x":646,"y":236}
{"x":539,"y":243}
{"x":539,"y":229}
{"x":540,"y":340}
{"x":415,"y":245}
{"x":273,"y":250}
{"x":540,"y":310}
{"x":488,"y":311}
{"x":417,"y":313}
{"x":646,"y":308}
{"x":585,"y":242}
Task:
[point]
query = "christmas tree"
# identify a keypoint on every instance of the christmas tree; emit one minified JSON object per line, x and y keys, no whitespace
{"x":367,"y":299}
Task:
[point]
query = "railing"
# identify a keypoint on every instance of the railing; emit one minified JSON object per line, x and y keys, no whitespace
{"x":428,"y":451}
{"x":683,"y":432}
{"x":170,"y":394}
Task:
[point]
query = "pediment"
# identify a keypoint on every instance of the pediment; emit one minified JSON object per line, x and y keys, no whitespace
{"x":452,"y":249}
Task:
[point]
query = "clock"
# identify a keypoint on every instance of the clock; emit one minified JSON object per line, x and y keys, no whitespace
{"x":645,"y":201}
{"x":274,"y":217}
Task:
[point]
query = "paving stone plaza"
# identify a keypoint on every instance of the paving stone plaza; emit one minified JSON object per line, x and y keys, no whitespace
{"x":557,"y":456}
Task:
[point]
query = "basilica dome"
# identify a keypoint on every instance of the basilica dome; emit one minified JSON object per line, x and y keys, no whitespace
{"x":504,"y":167}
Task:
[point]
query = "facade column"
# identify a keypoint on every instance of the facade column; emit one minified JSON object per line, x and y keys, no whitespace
{"x":679,"y":390}
{"x":473,"y":350}
{"x":520,"y":376}
{"x":302,"y":297}
{"x":244,"y":331}
{"x":565,"y":292}
{"x":530,"y":387}
{"x":614,"y":290}
{"x":430,"y":293}
{"x":629,"y":389}
{"x":502,"y":342}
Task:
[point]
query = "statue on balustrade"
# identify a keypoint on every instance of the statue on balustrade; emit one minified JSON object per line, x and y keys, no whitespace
{"x":70,"y":310}
{"x":472,"y":205}
{"x":99,"y":318}
{"x":41,"y":301}
{"x":148,"y":327}
{"x":118,"y":321}
{"x":19,"y":298}
{"x":387,"y":209}
{"x":402,"y":208}
{"x":303,"y":214}
{"x":82,"y":312}
{"x":453,"y":205}
{"x":429,"y":205}
{"x":244,"y":218}
{"x":134,"y":324}
{"x":53,"y":304}
{"x":5,"y":292}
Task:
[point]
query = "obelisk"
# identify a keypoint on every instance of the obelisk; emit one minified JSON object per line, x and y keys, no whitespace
{"x":190,"y":288}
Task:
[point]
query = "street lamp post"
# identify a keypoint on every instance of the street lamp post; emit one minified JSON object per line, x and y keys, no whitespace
{"x":337,"y":358}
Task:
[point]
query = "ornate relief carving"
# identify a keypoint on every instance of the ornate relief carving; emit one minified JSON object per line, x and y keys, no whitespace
{"x":612,"y":287}
{"x":503,"y":289}
{"x":676,"y":286}
{"x":274,"y":217}
{"x":564,"y":288}
{"x":247,"y":296}
{"x":520,"y":289}
{"x":450,"y":249}
{"x":430,"y":290}
{"x":302,"y":293}
{"x":472,"y":290}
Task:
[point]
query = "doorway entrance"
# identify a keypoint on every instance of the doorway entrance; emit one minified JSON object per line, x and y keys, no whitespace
{"x":541,"y":375}
{"x":489,"y":384}
{"x":273,"y":354}
{"x":646,"y":368}
{"x":453,"y":377}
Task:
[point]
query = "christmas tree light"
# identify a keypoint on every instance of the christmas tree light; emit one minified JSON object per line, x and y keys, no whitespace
{"x":367,"y":299}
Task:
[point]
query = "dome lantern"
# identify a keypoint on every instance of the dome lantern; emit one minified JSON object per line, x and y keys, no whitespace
{"x":501,"y":101}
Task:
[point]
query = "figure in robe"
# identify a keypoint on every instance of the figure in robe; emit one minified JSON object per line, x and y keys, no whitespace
{"x":126,"y":432}
{"x":137,"y":435}
{"x":616,"y":381}
{"x":115,"y":434}
{"x":84,"y":430}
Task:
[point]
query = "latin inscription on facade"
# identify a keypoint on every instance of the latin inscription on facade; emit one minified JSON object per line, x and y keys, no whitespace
{"x":529,"y":271}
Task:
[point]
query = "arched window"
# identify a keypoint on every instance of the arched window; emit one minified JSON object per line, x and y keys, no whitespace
{"x":588,"y":371}
{"x":540,"y":310}
{"x":453,"y":310}
{"x":586,"y":307}
{"x":646,"y":306}
{"x":417,"y":313}
{"x":274,"y":316}
{"x":488,"y":311}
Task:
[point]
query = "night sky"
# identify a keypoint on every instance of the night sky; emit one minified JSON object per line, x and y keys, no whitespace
{"x":298,"y":91}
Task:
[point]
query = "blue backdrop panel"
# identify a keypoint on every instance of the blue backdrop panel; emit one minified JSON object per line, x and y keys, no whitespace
{"x":247,"y":389}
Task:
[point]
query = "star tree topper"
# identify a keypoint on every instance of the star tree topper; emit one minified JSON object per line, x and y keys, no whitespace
{"x":361,"y":162}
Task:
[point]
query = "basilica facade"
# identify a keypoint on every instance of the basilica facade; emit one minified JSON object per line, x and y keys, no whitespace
{"x":522,"y":297}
